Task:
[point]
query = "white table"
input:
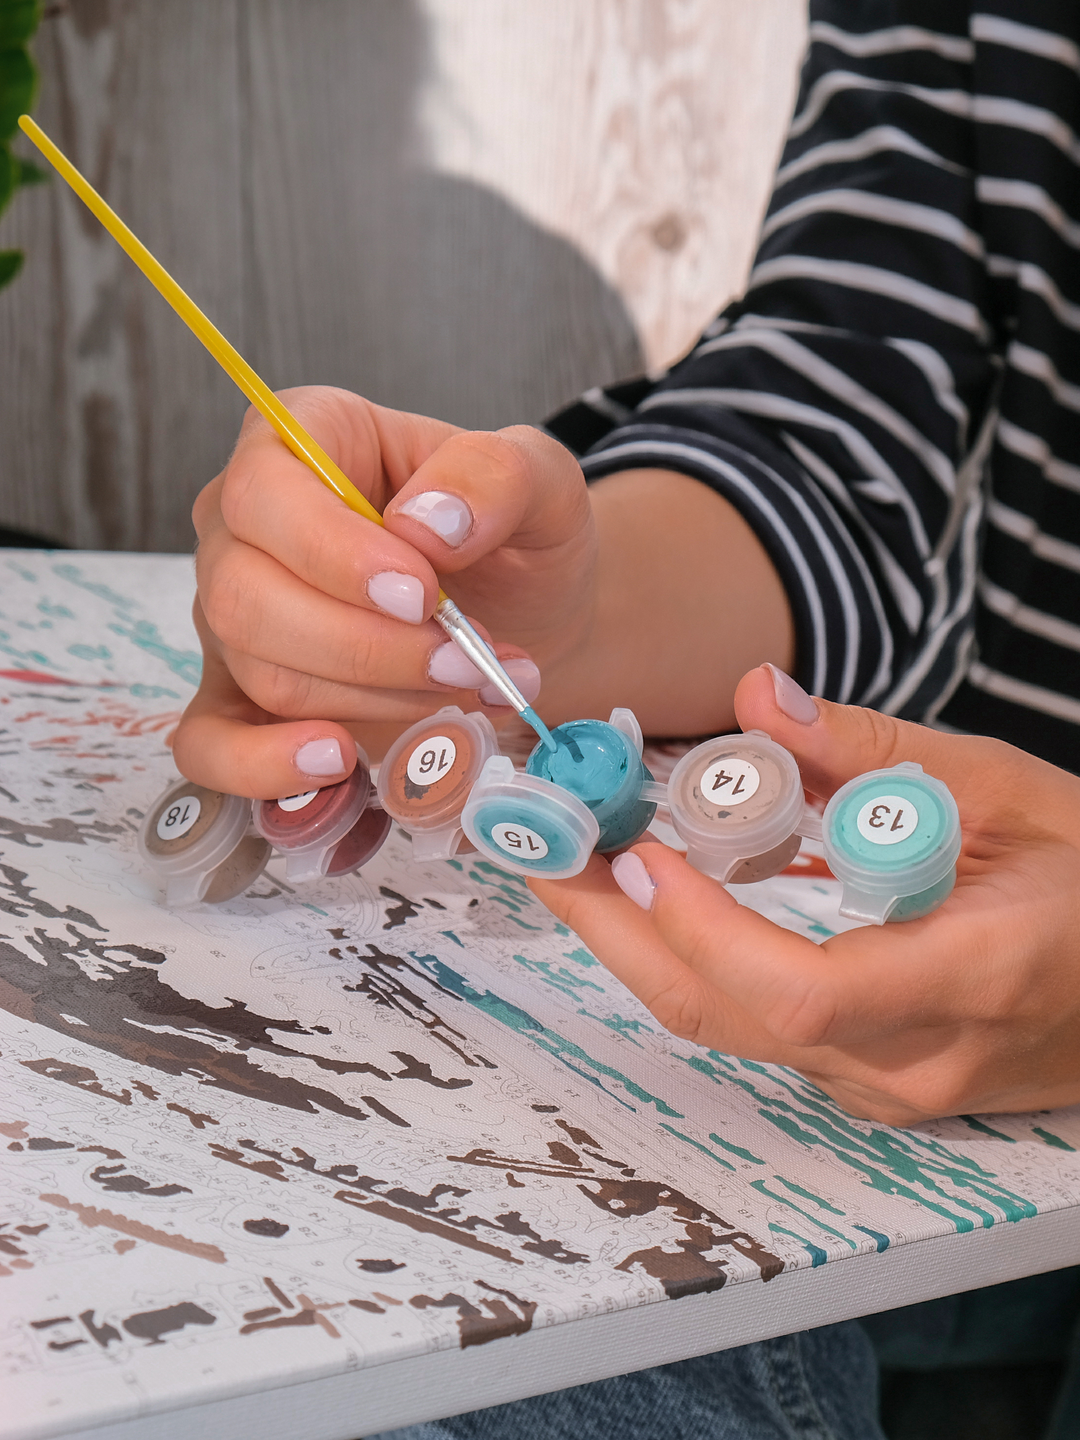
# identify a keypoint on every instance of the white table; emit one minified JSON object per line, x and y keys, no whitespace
{"x":331,"y":1161}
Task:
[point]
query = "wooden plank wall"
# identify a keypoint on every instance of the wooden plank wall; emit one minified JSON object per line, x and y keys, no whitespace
{"x":473,"y":208}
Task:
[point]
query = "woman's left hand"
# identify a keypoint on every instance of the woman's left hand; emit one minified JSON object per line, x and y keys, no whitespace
{"x":973,"y":1008}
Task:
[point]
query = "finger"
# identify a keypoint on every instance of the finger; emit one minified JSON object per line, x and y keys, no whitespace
{"x":284,"y":691}
{"x":861,"y":987}
{"x":480,"y":489}
{"x":624,"y":939}
{"x":283,"y":512}
{"x":834,"y":743}
{"x":227,"y":742}
{"x":272,"y":501}
{"x":896,"y":1078}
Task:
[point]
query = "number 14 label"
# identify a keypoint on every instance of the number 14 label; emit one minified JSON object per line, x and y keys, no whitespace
{"x":729,"y":782}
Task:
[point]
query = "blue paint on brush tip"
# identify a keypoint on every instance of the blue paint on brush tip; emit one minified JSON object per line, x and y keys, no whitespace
{"x":530,"y":717}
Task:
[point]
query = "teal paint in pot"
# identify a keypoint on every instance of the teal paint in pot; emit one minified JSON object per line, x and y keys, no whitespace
{"x":528,"y":825}
{"x":892,"y":837}
{"x":600,"y":764}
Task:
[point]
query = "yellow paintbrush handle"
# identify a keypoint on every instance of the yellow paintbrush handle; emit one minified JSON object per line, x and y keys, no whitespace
{"x":303,"y":446}
{"x":269,"y":406}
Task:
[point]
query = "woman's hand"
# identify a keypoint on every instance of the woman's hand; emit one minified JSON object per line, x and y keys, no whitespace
{"x":974,"y":1008}
{"x":316,"y":623}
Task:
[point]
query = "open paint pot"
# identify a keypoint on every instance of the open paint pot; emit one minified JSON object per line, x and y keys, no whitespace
{"x":600,"y":764}
{"x":892,"y":837}
{"x":428,"y":773}
{"x":528,"y":825}
{"x":331,"y":831}
{"x":202,"y":844}
{"x":738,"y":803}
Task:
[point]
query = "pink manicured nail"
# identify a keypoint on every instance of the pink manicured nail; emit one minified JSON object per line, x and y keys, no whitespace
{"x":401,"y":596}
{"x":447,"y":516}
{"x":633,"y":879}
{"x":525,"y":675}
{"x":319,"y":757}
{"x":448,"y":666}
{"x":791,"y":698}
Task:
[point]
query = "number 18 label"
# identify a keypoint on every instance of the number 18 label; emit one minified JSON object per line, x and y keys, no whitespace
{"x":178,"y":818}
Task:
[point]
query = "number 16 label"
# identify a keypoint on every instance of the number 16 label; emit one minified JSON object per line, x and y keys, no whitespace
{"x":431,"y":760}
{"x":887,"y":819}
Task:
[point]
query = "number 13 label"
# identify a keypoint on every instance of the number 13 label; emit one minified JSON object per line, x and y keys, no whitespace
{"x":887,"y":819}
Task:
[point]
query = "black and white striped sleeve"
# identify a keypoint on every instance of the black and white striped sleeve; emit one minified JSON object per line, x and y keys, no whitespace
{"x":844,"y":405}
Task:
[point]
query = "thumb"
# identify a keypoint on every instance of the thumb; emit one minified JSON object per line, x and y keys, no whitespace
{"x":834,"y":743}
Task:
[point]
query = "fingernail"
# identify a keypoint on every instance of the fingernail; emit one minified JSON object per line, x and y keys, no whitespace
{"x":633,"y":879}
{"x":449,"y":666}
{"x":791,"y":698}
{"x":319,"y":757}
{"x":446,"y":515}
{"x":399,"y":595}
{"x":525,"y":675}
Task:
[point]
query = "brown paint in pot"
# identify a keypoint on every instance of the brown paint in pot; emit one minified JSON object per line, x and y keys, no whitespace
{"x":301,"y":820}
{"x":200,"y":842}
{"x":241,"y":869}
{"x":738,"y":803}
{"x":429,"y":772}
{"x":364,"y":840}
{"x":311,"y":828}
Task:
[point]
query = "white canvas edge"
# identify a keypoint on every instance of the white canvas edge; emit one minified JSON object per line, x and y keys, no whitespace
{"x":448,"y":1382}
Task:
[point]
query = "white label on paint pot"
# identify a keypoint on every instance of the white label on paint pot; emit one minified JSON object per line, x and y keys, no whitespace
{"x":431,"y":760}
{"x":729,"y":782}
{"x":887,"y":819}
{"x":297,"y":802}
{"x":520,"y":841}
{"x":178,"y":819}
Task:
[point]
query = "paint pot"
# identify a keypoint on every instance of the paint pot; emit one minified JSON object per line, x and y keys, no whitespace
{"x":600,"y":763}
{"x":202,"y":844}
{"x":892,"y":837}
{"x":428,"y":773}
{"x":332,"y":831}
{"x":528,"y":825}
{"x":738,"y":803}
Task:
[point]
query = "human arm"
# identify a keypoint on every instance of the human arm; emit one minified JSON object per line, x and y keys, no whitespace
{"x":974,"y":1008}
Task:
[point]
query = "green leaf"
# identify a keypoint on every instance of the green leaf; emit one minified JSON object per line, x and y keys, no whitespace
{"x":10,"y":264}
{"x":27,"y":173}
{"x":18,"y":86}
{"x":18,"y":21}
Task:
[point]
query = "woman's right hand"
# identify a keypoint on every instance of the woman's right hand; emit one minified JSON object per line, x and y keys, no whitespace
{"x":316,"y":623}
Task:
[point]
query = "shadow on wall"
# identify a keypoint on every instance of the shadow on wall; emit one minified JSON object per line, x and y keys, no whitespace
{"x":424,"y":291}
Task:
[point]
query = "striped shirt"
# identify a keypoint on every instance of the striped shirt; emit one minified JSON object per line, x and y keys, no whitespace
{"x":894,"y":404}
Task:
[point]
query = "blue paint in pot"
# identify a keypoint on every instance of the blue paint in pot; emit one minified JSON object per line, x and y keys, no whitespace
{"x":598,"y":764}
{"x":524,"y":828}
{"x":892,"y":837}
{"x":527,"y":824}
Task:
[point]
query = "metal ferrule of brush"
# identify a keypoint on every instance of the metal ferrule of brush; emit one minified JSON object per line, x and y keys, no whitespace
{"x":479,"y":652}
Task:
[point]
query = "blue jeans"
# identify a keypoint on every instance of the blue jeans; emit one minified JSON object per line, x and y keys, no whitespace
{"x":816,"y":1385}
